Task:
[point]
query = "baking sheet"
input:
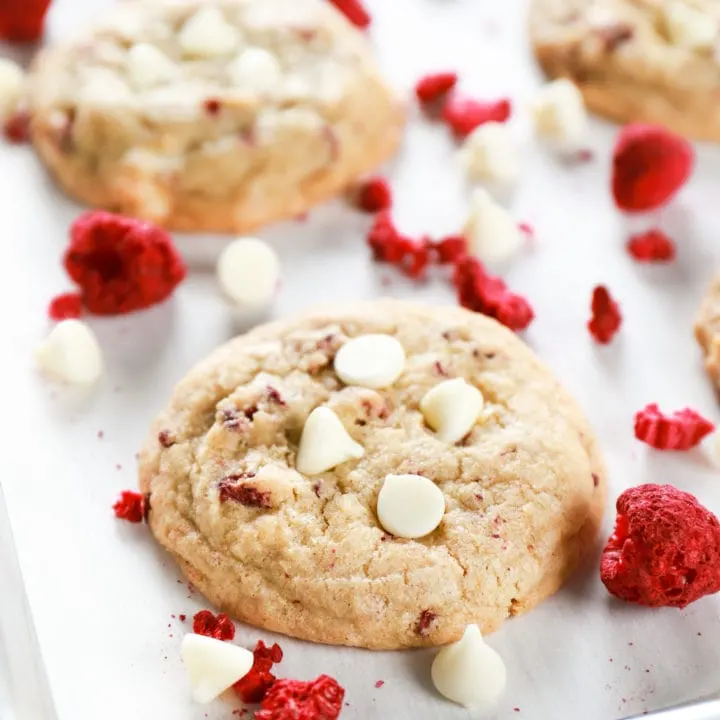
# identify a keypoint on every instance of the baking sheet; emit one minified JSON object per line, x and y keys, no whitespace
{"x":102,"y":595}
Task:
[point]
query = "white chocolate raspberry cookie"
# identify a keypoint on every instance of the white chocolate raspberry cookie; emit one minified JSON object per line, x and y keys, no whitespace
{"x":637,"y":60}
{"x":213,"y":115}
{"x":396,"y":534}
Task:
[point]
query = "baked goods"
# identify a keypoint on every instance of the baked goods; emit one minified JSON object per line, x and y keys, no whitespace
{"x":215,"y":116}
{"x":707,"y":330}
{"x":636,"y":60}
{"x":305,"y":554}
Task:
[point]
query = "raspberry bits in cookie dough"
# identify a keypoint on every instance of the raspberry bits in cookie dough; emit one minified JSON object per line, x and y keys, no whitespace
{"x":379,"y":475}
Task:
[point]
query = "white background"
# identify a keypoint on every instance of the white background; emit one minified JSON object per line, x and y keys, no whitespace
{"x":101,"y":592}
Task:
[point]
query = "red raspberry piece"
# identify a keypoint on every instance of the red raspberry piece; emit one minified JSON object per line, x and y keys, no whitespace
{"x":665,"y":550}
{"x":487,"y":294}
{"x":130,"y":506}
{"x":22,"y":20}
{"x":354,"y":11}
{"x":463,"y":115}
{"x":319,"y":699}
{"x":65,"y":306}
{"x":606,"y":318}
{"x":121,"y":264}
{"x":218,"y":626}
{"x":17,"y":127}
{"x":374,"y":195}
{"x":254,"y":686}
{"x":435,"y":86}
{"x":682,"y":430}
{"x":650,"y":164}
{"x":651,"y":246}
{"x":388,"y":245}
{"x":451,"y":248}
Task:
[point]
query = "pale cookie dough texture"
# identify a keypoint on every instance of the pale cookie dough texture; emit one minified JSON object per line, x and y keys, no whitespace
{"x":251,"y":112}
{"x":524,"y":489}
{"x":707,"y":330}
{"x":653,"y":61}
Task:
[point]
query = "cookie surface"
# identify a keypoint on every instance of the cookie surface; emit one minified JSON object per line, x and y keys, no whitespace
{"x":636,"y":60}
{"x":707,"y":330}
{"x":252,"y":112}
{"x":306,"y":556}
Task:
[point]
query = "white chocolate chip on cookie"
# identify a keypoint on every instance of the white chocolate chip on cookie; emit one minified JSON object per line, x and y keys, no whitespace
{"x":325,"y":443}
{"x":469,"y":672}
{"x":12,"y":80}
{"x":71,"y":353}
{"x":149,"y":66}
{"x":689,"y":27}
{"x":372,"y":361}
{"x":208,"y":34}
{"x":410,"y":506}
{"x":559,"y":113}
{"x":213,"y":665}
{"x":452,"y":408}
{"x":255,"y":70}
{"x":248,"y":271}
{"x":490,"y":155}
{"x":491,"y":232}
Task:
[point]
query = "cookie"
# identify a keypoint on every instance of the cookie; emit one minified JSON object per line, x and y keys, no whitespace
{"x":212,"y":116}
{"x":636,"y":60}
{"x":304,"y":553}
{"x":707,"y":330}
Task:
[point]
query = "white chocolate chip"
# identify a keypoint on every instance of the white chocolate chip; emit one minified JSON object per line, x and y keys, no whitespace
{"x":208,"y":34}
{"x":491,"y":232}
{"x":325,"y":443}
{"x":71,"y":353}
{"x":149,"y":66}
{"x":559,"y":113}
{"x":12,"y":80}
{"x":469,"y":672}
{"x":255,"y":71}
{"x":490,"y":155}
{"x":372,"y":361}
{"x":410,"y":506}
{"x":248,"y":271}
{"x":689,"y":27}
{"x":213,"y":665}
{"x":104,"y":88}
{"x":452,"y":408}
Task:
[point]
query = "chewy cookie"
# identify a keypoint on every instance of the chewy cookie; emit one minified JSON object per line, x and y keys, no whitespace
{"x":707,"y":330}
{"x":305,"y":553}
{"x":217,"y":115}
{"x":636,"y":60}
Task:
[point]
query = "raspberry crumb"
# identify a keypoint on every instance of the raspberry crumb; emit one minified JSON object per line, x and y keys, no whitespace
{"x":166,"y":439}
{"x":130,"y":506}
{"x":374,"y":195}
{"x":218,"y":626}
{"x":244,"y":493}
{"x":254,"y":686}
{"x":435,"y":86}
{"x":379,"y":683}
{"x":182,"y":618}
{"x":463,"y":114}
{"x":212,"y":107}
{"x":651,"y":246}
{"x":682,"y":430}
{"x":354,"y":11}
{"x":665,"y":550}
{"x":65,"y":306}
{"x":427,"y":618}
{"x":606,"y":318}
{"x":450,"y":249}
{"x":319,"y":699}
{"x":22,"y":21}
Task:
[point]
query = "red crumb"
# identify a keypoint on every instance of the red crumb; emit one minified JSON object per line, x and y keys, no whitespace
{"x":651,"y":246}
{"x":388,"y":245}
{"x":121,"y":264}
{"x":665,"y":550}
{"x":682,"y":430}
{"x":130,"y":506}
{"x":426,"y":619}
{"x":22,"y":21}
{"x":166,"y":439}
{"x":65,"y":306}
{"x":230,"y":488}
{"x":374,"y":195}
{"x":527,"y":229}
{"x":354,"y":11}
{"x":379,"y":683}
{"x":182,"y":618}
{"x":449,"y":249}
{"x":463,"y":114}
{"x":16,"y":127}
{"x":319,"y":699}
{"x":606,"y":318}
{"x":218,"y":626}
{"x":487,"y":294}
{"x":435,"y":86}
{"x":212,"y":107}
{"x":650,"y":164}
{"x":254,"y":686}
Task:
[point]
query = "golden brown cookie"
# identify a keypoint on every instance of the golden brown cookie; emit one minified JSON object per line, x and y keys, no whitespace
{"x":707,"y":330}
{"x":212,"y":116}
{"x":306,"y":555}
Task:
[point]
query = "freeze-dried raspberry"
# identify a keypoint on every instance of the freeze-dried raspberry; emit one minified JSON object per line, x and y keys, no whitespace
{"x":130,"y":506}
{"x":16,"y":127}
{"x":233,"y":488}
{"x":374,"y":195}
{"x":319,"y":699}
{"x":450,"y":249}
{"x":121,"y":264}
{"x":606,"y":318}
{"x":682,"y":430}
{"x":665,"y":550}
{"x":388,"y":245}
{"x":650,"y":164}
{"x":218,"y":626}
{"x":22,"y":20}
{"x":253,"y":687}
{"x":435,"y":86}
{"x":354,"y":11}
{"x":65,"y":306}
{"x":463,"y":114}
{"x":651,"y":246}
